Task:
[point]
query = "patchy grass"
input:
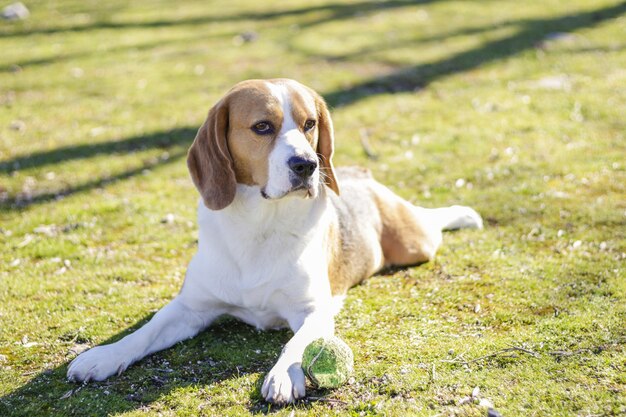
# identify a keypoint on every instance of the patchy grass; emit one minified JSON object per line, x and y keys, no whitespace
{"x":515,"y":108}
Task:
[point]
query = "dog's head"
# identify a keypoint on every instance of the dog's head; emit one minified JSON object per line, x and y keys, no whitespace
{"x":274,"y":134}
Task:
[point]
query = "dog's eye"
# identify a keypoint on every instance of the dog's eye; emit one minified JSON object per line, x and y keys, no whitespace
{"x":309,"y":124}
{"x":263,"y":128}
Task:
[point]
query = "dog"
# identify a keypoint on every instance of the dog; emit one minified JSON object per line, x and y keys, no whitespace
{"x":282,"y":233}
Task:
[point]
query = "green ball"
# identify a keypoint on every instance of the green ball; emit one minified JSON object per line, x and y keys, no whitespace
{"x":328,"y":362}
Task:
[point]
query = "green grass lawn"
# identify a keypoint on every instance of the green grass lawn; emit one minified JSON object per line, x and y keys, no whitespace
{"x":517,"y":109}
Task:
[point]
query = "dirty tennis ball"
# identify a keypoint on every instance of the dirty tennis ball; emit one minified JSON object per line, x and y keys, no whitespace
{"x":328,"y":362}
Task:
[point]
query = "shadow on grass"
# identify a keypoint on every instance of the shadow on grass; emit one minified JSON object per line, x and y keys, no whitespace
{"x":221,"y":353}
{"x":166,"y":140}
{"x":329,"y":12}
{"x":37,"y":62}
{"x":404,"y":42}
{"x":531,"y":35}
{"x":227,"y":350}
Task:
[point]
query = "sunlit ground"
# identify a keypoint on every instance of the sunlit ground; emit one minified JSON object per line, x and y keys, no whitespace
{"x":514,"y":108}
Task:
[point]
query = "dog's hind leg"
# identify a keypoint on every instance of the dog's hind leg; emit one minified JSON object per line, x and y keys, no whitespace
{"x":451,"y":218}
{"x":410,"y":234}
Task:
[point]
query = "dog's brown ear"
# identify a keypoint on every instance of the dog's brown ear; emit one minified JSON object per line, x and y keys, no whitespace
{"x":326,"y":144}
{"x":209,"y":161}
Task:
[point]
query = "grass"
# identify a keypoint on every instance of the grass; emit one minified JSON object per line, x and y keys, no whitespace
{"x":514,"y":108}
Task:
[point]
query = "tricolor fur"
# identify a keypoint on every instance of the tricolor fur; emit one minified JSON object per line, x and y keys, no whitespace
{"x":283,"y":235}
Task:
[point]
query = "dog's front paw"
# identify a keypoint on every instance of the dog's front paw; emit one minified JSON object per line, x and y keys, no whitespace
{"x":284,"y":385}
{"x":97,"y":364}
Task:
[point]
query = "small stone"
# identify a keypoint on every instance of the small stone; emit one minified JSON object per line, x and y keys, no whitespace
{"x":96,"y":131}
{"x":465,"y":400}
{"x":459,"y":183}
{"x":15,"y":11}
{"x":26,"y":241}
{"x":77,"y":72}
{"x":17,"y":125}
{"x":484,"y":402}
{"x":168,"y":219}
{"x":77,"y":349}
{"x":475,"y":392}
{"x":554,"y":83}
{"x":245,"y":37}
{"x":46,"y":229}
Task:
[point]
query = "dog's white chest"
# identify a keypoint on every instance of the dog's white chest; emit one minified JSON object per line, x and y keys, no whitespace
{"x":262,"y":266}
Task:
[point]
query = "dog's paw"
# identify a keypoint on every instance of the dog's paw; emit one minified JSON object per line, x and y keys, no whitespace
{"x":284,"y":385}
{"x":466,"y":217}
{"x":97,"y":364}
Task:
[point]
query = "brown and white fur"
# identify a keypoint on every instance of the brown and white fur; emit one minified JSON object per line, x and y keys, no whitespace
{"x":278,"y":243}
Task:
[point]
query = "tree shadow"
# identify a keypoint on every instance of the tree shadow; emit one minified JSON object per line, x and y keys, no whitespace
{"x":330,"y":12}
{"x":203,"y":360}
{"x":227,"y":350}
{"x":531,"y":35}
{"x":403,"y":43}
{"x":16,"y":66}
{"x":167,"y":140}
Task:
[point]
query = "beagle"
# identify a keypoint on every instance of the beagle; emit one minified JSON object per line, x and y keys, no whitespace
{"x":279,"y":245}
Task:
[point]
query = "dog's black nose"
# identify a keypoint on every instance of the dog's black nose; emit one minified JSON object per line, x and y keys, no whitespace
{"x":303,"y":168}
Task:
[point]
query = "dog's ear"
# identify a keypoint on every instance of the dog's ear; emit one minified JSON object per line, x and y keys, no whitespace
{"x":326,"y":144}
{"x":209,"y":161}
